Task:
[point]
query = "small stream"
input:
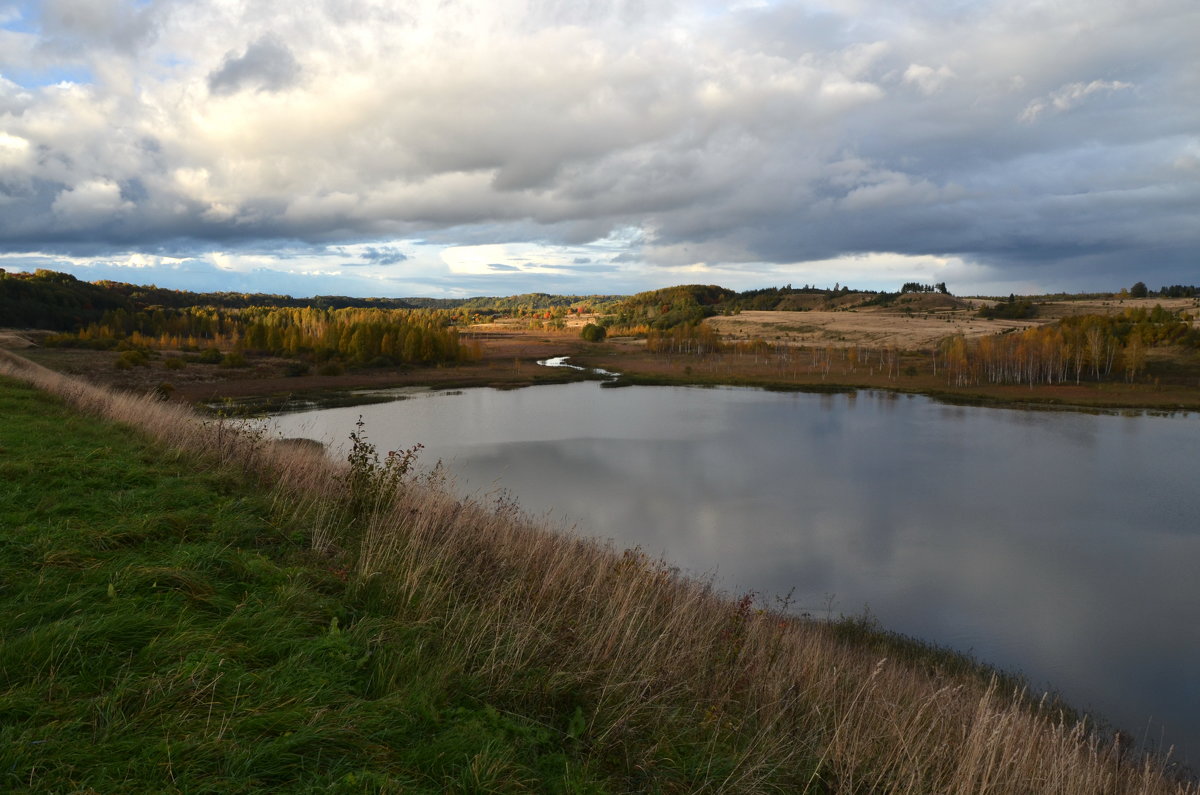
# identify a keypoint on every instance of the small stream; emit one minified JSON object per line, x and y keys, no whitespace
{"x":561,"y":361}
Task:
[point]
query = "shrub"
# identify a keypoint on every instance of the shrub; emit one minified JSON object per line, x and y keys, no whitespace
{"x":234,"y":359}
{"x":331,"y":368}
{"x":210,"y":356}
{"x":174,"y":363}
{"x":1013,"y":309}
{"x":371,"y":483}
{"x":593,"y":333}
{"x":295,"y":369}
{"x":132,"y":358}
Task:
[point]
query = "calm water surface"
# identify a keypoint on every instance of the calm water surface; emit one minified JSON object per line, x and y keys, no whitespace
{"x":1061,"y":545}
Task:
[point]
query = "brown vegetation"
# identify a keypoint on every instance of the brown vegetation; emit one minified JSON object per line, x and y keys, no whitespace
{"x":918,"y":342}
{"x":508,"y":358}
{"x":912,"y":322}
{"x":662,"y":661}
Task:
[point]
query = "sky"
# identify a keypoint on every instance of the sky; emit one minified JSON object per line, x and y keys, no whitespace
{"x":453,"y":148}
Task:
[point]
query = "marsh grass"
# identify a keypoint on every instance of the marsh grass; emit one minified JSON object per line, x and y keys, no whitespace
{"x":579,"y":668}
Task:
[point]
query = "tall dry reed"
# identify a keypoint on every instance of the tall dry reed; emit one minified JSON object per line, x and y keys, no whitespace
{"x":667,"y":665}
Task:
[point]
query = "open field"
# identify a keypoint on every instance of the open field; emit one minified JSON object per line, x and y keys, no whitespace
{"x":868,"y":328}
{"x":910,"y":326}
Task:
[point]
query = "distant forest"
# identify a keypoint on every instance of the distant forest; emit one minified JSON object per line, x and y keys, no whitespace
{"x":60,"y":302}
{"x":109,"y":314}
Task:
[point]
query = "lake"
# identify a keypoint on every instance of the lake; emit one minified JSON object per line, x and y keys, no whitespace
{"x":1058,"y":544}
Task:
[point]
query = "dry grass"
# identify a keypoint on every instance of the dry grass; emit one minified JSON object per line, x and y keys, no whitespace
{"x":868,"y":327}
{"x":15,"y":339}
{"x":890,"y":326}
{"x":665,"y":667}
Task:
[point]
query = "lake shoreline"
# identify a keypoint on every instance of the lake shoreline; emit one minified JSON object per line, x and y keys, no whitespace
{"x":269,"y":396}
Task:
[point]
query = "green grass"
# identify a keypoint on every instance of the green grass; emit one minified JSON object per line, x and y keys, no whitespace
{"x":161,"y":632}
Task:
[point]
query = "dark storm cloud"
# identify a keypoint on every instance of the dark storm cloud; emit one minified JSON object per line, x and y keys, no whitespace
{"x":266,"y":65}
{"x":383,"y":255}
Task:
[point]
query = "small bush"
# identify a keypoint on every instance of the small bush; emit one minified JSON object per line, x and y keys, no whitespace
{"x":174,"y":363}
{"x":132,"y":358}
{"x":295,"y":369}
{"x":372,"y":483}
{"x":331,"y":368}
{"x":234,"y":359}
{"x":593,"y":333}
{"x":210,"y":356}
{"x":1013,"y":309}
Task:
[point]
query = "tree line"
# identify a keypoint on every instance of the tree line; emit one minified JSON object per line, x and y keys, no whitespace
{"x":356,"y":336}
{"x":57,"y":301}
{"x":917,"y":287}
{"x":1084,"y":346}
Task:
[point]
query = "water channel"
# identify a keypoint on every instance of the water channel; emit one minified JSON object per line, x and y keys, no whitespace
{"x":1059,"y":544}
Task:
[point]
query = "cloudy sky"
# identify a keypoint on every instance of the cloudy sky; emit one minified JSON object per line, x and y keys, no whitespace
{"x":450,"y":147}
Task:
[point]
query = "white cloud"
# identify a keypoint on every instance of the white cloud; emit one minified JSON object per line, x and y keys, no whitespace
{"x":1069,"y":97}
{"x":94,"y":201}
{"x":14,"y":151}
{"x":926,"y":79}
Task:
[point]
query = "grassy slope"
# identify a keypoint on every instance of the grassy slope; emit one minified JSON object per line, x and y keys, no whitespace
{"x":162,"y":633}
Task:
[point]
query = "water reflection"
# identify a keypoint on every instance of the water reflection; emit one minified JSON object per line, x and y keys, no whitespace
{"x":1059,"y":544}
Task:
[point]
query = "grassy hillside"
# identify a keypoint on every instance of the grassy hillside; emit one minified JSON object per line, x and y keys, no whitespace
{"x":164,"y":632}
{"x":188,"y":607}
